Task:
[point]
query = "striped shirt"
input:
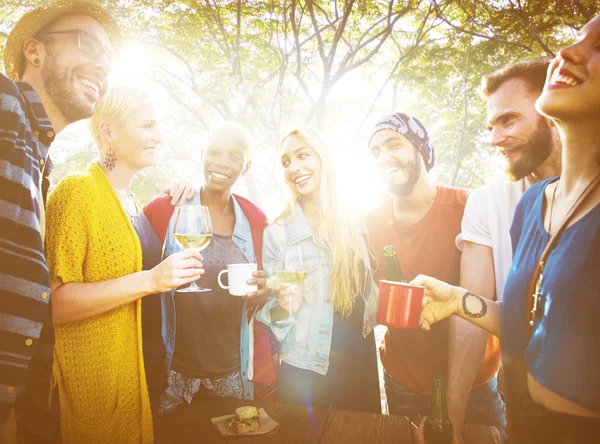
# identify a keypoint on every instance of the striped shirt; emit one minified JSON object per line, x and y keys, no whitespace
{"x":25,"y":136}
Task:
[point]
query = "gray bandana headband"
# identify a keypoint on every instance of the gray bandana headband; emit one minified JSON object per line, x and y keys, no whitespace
{"x":411,"y":128}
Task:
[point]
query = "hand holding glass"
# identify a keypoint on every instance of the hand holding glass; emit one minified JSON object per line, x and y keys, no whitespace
{"x":192,"y":230}
{"x":290,"y":268}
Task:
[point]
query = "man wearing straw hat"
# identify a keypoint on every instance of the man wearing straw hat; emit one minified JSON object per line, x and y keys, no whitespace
{"x":57,"y":60}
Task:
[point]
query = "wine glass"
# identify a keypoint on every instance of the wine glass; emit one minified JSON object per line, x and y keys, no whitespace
{"x":192,"y":230}
{"x":290,"y":268}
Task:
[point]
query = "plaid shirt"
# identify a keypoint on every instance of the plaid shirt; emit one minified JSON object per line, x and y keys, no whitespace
{"x":25,"y":136}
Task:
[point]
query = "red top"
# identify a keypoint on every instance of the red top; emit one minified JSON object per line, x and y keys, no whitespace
{"x":413,"y":357}
{"x":159,"y":212}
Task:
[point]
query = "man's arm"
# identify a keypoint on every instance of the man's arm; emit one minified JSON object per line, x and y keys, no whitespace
{"x":24,"y":278}
{"x":467,"y":342}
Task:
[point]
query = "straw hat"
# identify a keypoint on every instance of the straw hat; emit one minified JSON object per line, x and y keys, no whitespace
{"x":34,"y":21}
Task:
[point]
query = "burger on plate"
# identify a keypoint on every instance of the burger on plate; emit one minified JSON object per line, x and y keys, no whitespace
{"x":246,"y":420}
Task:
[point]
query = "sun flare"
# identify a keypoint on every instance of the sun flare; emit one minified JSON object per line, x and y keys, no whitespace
{"x":133,"y":65}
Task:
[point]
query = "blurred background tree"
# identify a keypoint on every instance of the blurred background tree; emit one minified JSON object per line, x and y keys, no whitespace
{"x":336,"y":65}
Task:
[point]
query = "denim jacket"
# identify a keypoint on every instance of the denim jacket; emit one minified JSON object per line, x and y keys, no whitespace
{"x":242,"y":237}
{"x":307,"y":343}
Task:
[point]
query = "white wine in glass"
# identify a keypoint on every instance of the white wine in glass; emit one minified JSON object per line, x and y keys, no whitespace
{"x":291,"y":269}
{"x":199,"y":241}
{"x":291,"y":277}
{"x":193,"y":229}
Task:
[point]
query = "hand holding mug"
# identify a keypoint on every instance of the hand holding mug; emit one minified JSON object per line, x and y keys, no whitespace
{"x":242,"y":280}
{"x":441,"y":300}
{"x":259,"y":279}
{"x":400,"y":304}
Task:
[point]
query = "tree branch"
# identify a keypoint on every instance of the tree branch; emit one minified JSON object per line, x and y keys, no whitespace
{"x":465,"y":105}
{"x":313,"y":19}
{"x":298,"y":73}
{"x":527,"y":22}
{"x":238,"y":26}
{"x":215,"y":105}
{"x":215,"y":13}
{"x":340,"y":31}
{"x":184,"y":61}
{"x":181,"y":102}
{"x":385,"y":33}
{"x":419,"y":35}
{"x":476,"y":34}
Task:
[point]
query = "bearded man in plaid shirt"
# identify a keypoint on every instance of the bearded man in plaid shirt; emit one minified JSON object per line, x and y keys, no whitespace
{"x":57,"y":60}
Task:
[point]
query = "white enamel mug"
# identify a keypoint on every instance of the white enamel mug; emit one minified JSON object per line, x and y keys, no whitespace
{"x":238,"y":275}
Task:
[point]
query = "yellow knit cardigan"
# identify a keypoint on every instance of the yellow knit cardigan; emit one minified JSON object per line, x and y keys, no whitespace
{"x":98,"y":362}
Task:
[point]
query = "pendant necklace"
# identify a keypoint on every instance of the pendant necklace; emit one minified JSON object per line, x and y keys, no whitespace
{"x":538,"y":284}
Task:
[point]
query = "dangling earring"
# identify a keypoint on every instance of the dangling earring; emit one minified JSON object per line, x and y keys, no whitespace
{"x":110,"y":158}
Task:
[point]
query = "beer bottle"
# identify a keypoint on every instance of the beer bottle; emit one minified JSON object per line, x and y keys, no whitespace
{"x":438,"y":428}
{"x":392,"y":267}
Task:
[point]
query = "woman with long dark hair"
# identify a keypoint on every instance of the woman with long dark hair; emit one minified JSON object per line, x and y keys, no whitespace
{"x":549,"y":320}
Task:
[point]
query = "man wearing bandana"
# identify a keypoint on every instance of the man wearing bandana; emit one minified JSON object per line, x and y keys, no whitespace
{"x":421,"y":220}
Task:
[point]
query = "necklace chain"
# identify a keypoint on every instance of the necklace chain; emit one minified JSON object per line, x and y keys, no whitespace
{"x":572,"y":206}
{"x":538,"y":287}
{"x":128,"y":196}
{"x":552,"y":208}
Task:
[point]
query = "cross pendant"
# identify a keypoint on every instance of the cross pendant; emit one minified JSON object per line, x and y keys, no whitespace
{"x":536,"y":295}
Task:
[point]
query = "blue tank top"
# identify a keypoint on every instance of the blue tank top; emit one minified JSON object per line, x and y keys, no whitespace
{"x":564,"y":351}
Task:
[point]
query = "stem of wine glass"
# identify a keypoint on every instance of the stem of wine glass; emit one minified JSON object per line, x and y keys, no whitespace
{"x":194,"y":285}
{"x":290,"y":307}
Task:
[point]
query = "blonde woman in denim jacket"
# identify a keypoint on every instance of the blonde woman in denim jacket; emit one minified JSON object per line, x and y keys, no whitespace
{"x":328,"y":357}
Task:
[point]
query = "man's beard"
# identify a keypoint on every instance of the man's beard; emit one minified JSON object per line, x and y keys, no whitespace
{"x":413,"y":171}
{"x":534,"y":152}
{"x":58,"y":84}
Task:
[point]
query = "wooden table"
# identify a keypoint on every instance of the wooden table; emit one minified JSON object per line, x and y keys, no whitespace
{"x":191,"y":424}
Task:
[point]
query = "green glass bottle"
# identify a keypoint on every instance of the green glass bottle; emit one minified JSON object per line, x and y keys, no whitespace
{"x":392,"y":267}
{"x":438,"y":428}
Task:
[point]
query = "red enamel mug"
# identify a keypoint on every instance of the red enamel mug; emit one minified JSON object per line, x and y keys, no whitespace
{"x":399,"y":304}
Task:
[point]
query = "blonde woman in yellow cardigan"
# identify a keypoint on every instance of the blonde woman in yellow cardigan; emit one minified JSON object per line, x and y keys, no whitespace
{"x":99,"y":251}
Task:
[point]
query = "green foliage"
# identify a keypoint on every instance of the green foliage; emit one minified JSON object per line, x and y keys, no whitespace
{"x":473,"y":38}
{"x":333,"y":64}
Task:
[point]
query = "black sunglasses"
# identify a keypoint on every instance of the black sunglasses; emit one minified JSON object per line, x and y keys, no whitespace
{"x":86,"y":42}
